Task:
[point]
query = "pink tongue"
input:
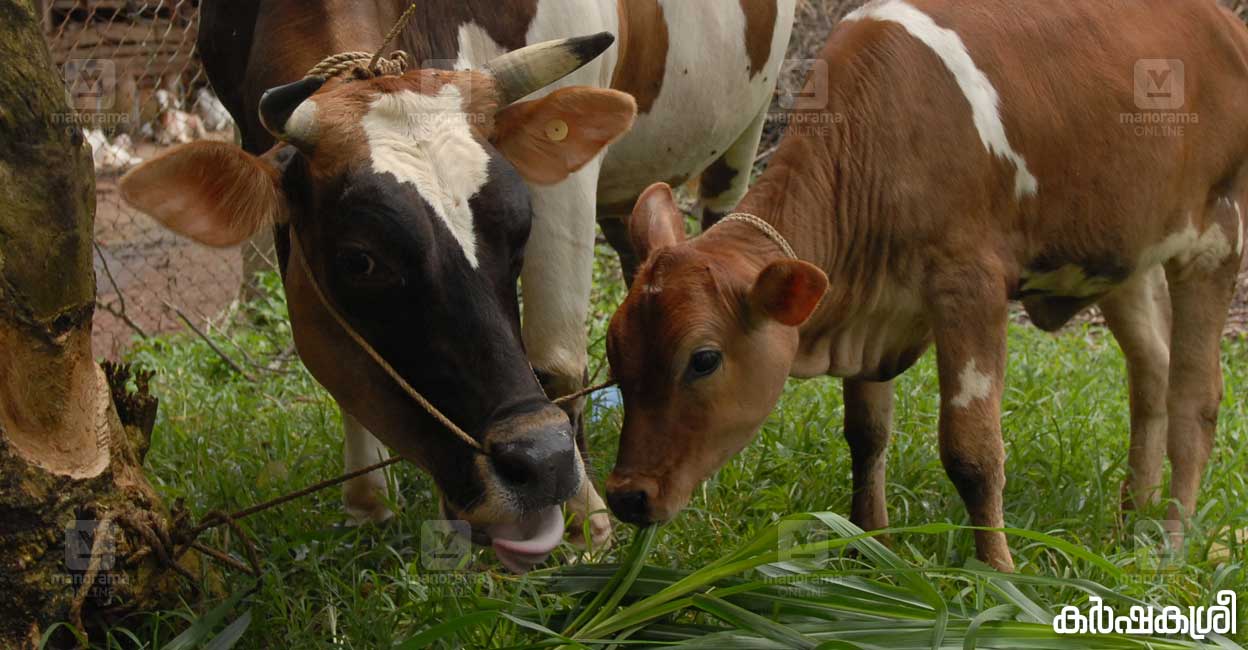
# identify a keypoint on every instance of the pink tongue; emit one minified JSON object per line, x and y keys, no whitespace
{"x":525,"y":544}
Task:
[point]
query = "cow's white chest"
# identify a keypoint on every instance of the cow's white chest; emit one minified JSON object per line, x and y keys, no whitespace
{"x":427,"y":142}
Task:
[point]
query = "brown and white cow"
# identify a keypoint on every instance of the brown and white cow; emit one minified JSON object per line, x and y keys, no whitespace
{"x":420,"y":200}
{"x":969,"y":154}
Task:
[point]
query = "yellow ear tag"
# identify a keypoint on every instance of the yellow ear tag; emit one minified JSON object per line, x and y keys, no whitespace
{"x":557,"y":130}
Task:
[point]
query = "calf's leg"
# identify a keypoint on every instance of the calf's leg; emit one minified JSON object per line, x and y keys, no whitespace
{"x":1200,"y":293}
{"x":868,"y":422}
{"x":970,"y":318}
{"x":1138,"y":313}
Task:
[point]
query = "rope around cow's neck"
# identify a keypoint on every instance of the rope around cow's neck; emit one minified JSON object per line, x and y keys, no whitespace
{"x":366,"y":65}
{"x":763,"y":227}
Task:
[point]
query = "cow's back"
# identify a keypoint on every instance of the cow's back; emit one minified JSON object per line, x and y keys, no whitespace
{"x":702,"y":71}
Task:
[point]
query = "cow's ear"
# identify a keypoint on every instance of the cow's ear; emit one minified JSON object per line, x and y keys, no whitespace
{"x":656,"y":221}
{"x":551,"y":138}
{"x":212,"y":192}
{"x":788,"y":291}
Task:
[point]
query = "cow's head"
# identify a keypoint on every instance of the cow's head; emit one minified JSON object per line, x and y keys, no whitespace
{"x":404,"y":199}
{"x":701,"y":348}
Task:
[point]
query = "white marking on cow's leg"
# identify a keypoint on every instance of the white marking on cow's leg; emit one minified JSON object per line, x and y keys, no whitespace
{"x":364,"y":497}
{"x":588,"y":505}
{"x":973,"y":386}
{"x":979,"y":91}
{"x":427,"y":142}
{"x":1138,"y":313}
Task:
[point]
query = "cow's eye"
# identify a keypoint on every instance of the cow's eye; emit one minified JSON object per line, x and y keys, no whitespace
{"x":704,"y":362}
{"x":357,"y":264}
{"x":364,"y":269}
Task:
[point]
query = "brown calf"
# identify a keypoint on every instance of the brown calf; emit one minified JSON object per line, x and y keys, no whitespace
{"x":967,"y":156}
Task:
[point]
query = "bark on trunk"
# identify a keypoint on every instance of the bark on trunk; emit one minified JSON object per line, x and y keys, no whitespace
{"x":66,"y":458}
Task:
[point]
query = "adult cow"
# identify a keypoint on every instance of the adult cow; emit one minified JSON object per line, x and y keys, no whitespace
{"x":968,"y":154}
{"x":405,"y":196}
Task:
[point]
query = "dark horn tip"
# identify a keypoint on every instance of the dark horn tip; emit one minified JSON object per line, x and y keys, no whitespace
{"x":277,"y":104}
{"x":588,"y":48}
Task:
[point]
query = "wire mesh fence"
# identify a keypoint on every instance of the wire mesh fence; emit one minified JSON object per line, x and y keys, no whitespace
{"x":133,"y":77}
{"x":132,"y":74}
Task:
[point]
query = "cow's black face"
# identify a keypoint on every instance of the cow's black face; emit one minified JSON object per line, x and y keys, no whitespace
{"x":402,"y":213}
{"x":418,"y":243}
{"x":449,"y":324}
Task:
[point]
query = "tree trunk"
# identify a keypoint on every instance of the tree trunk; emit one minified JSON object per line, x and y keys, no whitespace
{"x":67,"y":460}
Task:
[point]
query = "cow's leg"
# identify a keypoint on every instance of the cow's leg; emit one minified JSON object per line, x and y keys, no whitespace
{"x":1138,"y":313}
{"x":725,"y":182}
{"x":556,"y":281}
{"x":614,"y":224}
{"x":1200,"y":294}
{"x":970,"y":318}
{"x":365,"y":497}
{"x":868,"y":422}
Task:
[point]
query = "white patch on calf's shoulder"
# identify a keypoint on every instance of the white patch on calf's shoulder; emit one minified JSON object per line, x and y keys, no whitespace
{"x":427,"y":142}
{"x":979,"y":91}
{"x":973,"y":386}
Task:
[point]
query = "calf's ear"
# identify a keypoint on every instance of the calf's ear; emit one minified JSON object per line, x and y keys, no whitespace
{"x":788,"y":291}
{"x":656,"y":221}
{"x":212,"y":192}
{"x":551,"y":138}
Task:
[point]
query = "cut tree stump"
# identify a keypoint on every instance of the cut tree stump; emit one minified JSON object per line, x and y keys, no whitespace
{"x":68,"y":458}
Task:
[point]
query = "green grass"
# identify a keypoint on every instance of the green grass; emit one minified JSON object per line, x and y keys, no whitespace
{"x":224,"y":442}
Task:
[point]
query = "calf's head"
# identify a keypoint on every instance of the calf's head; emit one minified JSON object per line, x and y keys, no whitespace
{"x":404,"y":200}
{"x":701,"y":348}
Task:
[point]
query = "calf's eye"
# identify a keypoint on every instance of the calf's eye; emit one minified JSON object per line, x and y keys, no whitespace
{"x":705,"y":362}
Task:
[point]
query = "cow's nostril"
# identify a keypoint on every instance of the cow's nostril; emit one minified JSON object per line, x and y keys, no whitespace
{"x":631,"y":507}
{"x":512,"y":465}
{"x":541,"y":471}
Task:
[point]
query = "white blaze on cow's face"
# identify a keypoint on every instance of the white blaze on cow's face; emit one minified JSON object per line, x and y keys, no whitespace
{"x":426,"y":141}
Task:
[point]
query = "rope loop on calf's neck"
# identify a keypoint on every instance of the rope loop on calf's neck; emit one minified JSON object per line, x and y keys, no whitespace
{"x":763,"y":227}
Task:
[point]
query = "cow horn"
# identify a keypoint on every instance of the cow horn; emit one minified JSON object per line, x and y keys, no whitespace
{"x":532,"y":68}
{"x":278,"y":105}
